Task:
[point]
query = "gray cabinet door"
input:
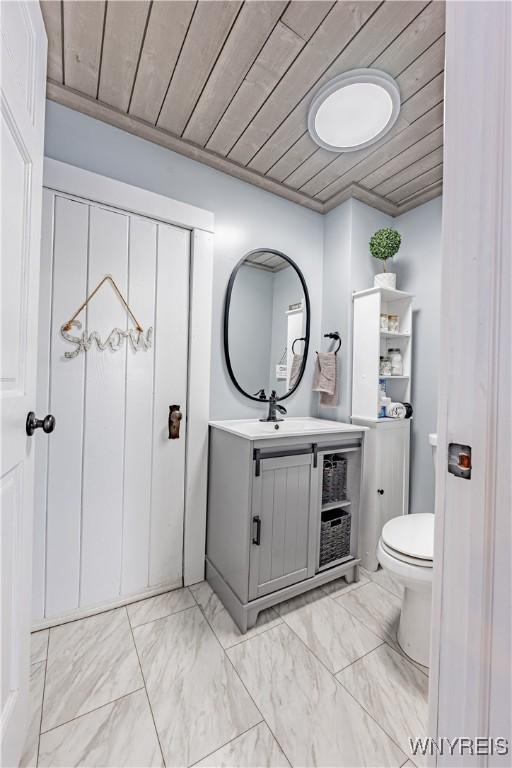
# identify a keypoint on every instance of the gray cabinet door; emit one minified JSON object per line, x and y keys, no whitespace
{"x":284,"y":498}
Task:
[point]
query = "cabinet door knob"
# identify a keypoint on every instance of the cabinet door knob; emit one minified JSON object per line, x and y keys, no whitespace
{"x":380,"y":491}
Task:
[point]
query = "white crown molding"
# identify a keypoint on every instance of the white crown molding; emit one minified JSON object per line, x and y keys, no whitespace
{"x":107,"y":114}
{"x":365,"y":196}
{"x":93,"y":108}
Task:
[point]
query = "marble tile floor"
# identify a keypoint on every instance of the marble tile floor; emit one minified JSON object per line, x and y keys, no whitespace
{"x":170,"y":681}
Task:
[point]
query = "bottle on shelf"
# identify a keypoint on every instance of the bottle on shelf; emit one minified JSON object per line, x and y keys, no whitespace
{"x":384,"y":400}
{"x":397,"y":364}
{"x":385,"y":366}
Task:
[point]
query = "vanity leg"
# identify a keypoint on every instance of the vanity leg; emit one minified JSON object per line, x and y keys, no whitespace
{"x":238,"y":612}
{"x":252,"y":616}
{"x":352,"y":575}
{"x":241,"y":620}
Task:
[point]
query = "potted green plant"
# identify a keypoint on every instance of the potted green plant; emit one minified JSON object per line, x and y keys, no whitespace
{"x":384,"y":244}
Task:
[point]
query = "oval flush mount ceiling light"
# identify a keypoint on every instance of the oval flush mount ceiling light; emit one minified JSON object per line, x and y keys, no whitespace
{"x":354,"y":110}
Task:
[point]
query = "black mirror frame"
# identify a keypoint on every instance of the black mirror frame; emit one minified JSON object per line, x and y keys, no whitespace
{"x":227,"y":303}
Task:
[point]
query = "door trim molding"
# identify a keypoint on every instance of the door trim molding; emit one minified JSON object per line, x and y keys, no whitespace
{"x":71,"y":180}
{"x":470,"y":641}
{"x":63,"y":177}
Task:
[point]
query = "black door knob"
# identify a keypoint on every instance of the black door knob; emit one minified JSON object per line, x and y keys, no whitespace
{"x":47,"y":424}
{"x":380,"y":491}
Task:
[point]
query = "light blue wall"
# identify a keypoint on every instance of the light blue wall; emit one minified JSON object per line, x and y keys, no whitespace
{"x":418,"y":268}
{"x":245,"y":218}
{"x":349,"y":267}
{"x":336,"y":300}
{"x":332,"y":252}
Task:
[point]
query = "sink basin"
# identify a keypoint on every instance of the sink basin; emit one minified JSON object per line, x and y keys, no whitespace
{"x":253,"y":429}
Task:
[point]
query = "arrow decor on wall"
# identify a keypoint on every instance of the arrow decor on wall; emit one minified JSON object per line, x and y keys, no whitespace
{"x":137,"y":338}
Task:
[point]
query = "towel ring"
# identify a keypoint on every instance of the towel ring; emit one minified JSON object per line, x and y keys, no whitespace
{"x":334,"y":335}
{"x":301,"y":338}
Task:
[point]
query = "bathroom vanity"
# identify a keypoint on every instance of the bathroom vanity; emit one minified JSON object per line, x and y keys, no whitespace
{"x":283,"y":510}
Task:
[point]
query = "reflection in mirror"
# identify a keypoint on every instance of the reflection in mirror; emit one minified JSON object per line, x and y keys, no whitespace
{"x":266,"y":324}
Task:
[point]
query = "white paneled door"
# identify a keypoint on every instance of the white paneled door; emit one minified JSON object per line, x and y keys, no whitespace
{"x":23,"y":73}
{"x":470,"y":687}
{"x":110,"y":490}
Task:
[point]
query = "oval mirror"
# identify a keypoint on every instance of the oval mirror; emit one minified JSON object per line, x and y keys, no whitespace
{"x":266,"y":325}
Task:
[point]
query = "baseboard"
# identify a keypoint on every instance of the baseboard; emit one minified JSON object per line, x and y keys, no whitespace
{"x":83,"y":613}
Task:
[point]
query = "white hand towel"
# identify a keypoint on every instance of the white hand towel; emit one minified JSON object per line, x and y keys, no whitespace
{"x":296,"y":366}
{"x":325,"y":379}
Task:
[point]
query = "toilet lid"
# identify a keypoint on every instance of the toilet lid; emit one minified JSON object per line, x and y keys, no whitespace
{"x":412,"y":535}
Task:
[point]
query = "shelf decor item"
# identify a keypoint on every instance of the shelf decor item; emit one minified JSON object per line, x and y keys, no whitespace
{"x":384,"y":244}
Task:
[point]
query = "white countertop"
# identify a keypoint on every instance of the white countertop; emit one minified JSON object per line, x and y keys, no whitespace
{"x":254,"y":429}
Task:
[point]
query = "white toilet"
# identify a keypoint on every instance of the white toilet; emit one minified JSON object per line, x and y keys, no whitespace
{"x":406,"y":550}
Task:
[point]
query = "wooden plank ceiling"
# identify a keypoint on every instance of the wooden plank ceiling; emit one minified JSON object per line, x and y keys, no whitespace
{"x":230,"y":83}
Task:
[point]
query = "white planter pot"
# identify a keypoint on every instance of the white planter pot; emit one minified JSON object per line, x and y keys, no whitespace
{"x":385,"y":280}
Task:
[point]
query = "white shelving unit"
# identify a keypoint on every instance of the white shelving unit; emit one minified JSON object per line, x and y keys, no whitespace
{"x":369,"y":343}
{"x":385,"y":486}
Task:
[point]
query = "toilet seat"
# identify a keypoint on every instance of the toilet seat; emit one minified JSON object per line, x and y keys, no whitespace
{"x":420,"y":562}
{"x":410,"y":538}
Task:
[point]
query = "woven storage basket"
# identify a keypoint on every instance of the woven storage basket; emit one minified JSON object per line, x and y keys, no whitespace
{"x":335,"y":535}
{"x":334,"y":485}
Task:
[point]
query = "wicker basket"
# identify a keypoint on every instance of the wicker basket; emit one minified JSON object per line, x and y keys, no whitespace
{"x":334,"y":535}
{"x":334,"y":486}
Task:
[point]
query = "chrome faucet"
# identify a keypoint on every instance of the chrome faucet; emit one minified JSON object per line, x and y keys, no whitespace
{"x":274,"y":406}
